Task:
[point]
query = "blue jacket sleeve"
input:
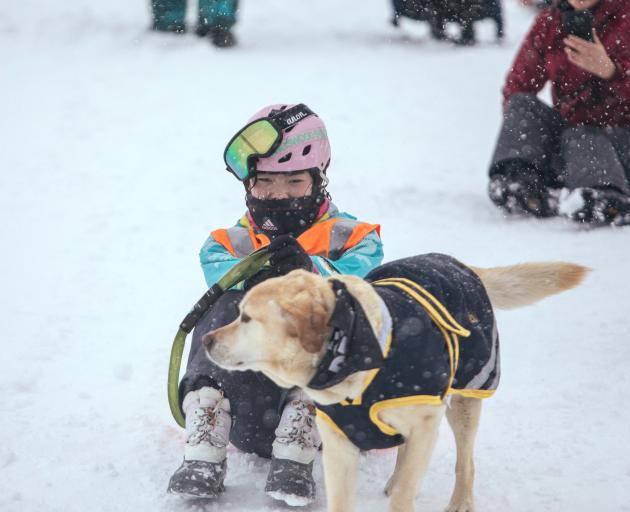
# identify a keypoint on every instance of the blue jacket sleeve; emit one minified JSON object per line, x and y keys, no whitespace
{"x":215,"y":261}
{"x":358,"y":260}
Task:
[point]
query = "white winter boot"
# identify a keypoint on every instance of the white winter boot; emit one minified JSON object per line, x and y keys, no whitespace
{"x":290,"y":477}
{"x":208,"y":423}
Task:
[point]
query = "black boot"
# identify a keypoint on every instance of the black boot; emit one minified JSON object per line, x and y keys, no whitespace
{"x":520,"y":189}
{"x":467,"y":36}
{"x":291,"y":482}
{"x":202,"y":30}
{"x":222,"y":37}
{"x":597,"y":206}
{"x":198,"y":479}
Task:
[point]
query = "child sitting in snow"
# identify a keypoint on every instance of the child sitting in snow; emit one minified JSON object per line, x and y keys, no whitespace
{"x":281,"y":156}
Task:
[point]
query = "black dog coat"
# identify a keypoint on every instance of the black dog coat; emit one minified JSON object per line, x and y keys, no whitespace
{"x":433,"y":301}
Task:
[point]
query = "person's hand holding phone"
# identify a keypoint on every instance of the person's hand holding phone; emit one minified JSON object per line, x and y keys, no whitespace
{"x":590,"y":56}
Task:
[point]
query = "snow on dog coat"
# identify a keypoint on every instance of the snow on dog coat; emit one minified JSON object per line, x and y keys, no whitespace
{"x":432,"y":300}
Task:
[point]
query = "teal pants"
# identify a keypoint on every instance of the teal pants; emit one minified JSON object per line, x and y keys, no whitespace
{"x":170,"y":15}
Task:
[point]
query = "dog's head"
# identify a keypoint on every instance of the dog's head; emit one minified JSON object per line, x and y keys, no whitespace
{"x":281,"y":329}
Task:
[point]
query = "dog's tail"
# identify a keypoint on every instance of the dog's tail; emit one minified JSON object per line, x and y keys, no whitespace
{"x":520,"y":285}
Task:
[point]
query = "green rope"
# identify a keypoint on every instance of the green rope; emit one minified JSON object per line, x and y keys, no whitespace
{"x":243,"y":270}
{"x":173,"y":376}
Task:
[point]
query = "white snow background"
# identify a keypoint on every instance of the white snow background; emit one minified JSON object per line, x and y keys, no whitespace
{"x":111,"y":141}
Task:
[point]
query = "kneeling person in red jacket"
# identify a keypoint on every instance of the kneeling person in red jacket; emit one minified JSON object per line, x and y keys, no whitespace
{"x":573,"y":158}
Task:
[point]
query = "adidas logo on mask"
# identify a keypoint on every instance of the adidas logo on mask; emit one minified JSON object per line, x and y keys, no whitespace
{"x":269,"y":226}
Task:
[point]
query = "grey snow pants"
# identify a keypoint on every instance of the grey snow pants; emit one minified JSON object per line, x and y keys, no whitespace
{"x":254,"y":399}
{"x":566,"y":155}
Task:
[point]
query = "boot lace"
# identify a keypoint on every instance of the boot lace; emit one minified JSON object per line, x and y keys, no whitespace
{"x":298,"y":425}
{"x":209,"y":426}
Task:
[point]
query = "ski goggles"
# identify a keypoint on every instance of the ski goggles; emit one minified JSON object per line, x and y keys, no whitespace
{"x":259,"y":139}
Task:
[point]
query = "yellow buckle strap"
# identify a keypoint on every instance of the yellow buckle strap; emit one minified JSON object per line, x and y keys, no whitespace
{"x":438,"y":313}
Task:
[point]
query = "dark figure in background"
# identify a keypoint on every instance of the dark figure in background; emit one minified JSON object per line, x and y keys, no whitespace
{"x":215,"y":19}
{"x":571,"y":159}
{"x":440,"y":12}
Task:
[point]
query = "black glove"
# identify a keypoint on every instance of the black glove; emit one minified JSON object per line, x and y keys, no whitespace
{"x":286,"y":255}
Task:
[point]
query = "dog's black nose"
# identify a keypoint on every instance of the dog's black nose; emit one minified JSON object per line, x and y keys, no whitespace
{"x":207,"y":339}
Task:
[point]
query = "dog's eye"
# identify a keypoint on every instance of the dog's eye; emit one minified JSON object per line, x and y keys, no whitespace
{"x":245,"y":318}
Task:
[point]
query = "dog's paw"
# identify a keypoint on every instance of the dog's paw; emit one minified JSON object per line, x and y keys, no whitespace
{"x":464,"y":506}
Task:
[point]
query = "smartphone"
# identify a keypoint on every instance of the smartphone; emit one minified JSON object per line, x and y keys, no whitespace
{"x":578,"y":23}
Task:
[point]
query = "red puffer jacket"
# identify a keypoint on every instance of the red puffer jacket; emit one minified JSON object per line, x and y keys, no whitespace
{"x":580,"y":97}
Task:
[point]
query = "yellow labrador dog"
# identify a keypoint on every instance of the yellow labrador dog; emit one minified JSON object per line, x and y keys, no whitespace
{"x":384,"y":360}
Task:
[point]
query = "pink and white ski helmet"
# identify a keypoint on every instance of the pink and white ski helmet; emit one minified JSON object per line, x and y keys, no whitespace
{"x":304,"y":144}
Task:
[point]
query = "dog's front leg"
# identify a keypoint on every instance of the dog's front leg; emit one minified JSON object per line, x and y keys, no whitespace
{"x":419,"y":426}
{"x":341,"y":468}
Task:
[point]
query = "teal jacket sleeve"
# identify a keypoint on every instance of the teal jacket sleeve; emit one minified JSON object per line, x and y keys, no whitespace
{"x":215,"y":261}
{"x":358,"y":260}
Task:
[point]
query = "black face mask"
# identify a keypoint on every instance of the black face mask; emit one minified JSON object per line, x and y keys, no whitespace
{"x":290,"y":216}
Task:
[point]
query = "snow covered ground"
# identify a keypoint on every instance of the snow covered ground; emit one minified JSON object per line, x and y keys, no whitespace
{"x":111,"y":177}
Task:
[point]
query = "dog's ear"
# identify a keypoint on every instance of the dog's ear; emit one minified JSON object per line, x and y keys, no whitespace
{"x":307,"y":316}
